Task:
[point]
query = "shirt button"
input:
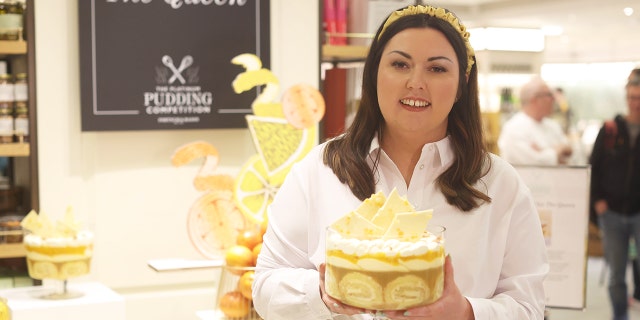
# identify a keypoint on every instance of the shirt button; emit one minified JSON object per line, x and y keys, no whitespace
{"x":421,"y":166}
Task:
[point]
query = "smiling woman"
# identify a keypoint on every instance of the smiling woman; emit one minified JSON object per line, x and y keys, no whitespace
{"x":417,"y":130}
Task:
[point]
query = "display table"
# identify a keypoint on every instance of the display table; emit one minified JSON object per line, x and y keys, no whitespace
{"x":208,"y":315}
{"x":97,"y":303}
{"x":218,"y":315}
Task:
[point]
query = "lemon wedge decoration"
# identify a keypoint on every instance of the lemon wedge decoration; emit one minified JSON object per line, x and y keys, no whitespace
{"x":253,"y":192}
{"x":278,"y":142}
{"x":280,"y":145}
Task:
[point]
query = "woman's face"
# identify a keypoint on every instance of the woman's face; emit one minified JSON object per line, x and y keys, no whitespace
{"x":417,"y":83}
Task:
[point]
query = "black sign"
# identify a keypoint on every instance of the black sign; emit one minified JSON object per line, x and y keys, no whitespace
{"x":166,"y":64}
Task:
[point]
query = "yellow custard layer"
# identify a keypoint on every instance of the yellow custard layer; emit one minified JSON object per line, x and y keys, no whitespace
{"x":58,"y":250}
{"x":430,"y":256}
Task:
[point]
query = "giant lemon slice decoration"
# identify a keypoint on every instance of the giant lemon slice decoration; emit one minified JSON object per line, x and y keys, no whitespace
{"x":214,"y":222}
{"x":253,"y":191}
{"x":280,"y":144}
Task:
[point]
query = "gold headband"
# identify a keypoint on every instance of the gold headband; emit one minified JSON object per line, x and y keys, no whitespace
{"x":439,"y":13}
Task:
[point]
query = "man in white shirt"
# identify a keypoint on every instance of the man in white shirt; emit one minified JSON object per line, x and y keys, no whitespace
{"x":529,"y":137}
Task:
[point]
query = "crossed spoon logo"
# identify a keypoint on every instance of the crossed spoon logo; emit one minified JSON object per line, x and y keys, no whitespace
{"x":186,"y":62}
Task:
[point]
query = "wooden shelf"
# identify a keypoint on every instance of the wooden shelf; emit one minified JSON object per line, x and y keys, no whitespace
{"x":14,"y":149}
{"x":12,"y":250}
{"x":331,"y":52}
{"x":13,"y":47}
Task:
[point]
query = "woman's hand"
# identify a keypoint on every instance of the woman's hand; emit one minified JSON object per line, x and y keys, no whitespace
{"x":452,"y":305}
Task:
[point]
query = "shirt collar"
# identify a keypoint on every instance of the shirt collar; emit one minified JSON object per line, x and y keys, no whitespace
{"x":444,"y":155}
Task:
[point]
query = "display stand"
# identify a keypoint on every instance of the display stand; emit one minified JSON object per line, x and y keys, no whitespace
{"x":162,"y":265}
{"x":561,"y":194}
{"x":97,"y":303}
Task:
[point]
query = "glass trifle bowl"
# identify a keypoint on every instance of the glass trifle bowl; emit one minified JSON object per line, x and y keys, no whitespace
{"x":389,"y":259}
{"x":385,"y":273}
{"x":57,"y":252}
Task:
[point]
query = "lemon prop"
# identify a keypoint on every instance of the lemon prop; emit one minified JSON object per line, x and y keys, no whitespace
{"x":253,"y":191}
{"x":254,"y":76}
{"x":206,"y":179}
{"x":278,"y":142}
{"x":280,"y":145}
{"x":5,"y":313}
{"x":214,"y":223}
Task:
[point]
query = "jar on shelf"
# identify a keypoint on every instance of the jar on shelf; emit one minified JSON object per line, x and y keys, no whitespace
{"x":6,"y":94}
{"x":6,"y":128}
{"x":21,"y":122}
{"x":20,"y":88}
{"x":11,"y":22}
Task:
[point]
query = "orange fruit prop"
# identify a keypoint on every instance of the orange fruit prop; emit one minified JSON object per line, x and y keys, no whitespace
{"x":245,"y":282}
{"x":249,"y":237}
{"x":234,"y":305}
{"x":303,"y":106}
{"x":256,"y":252}
{"x":238,"y":257}
{"x":263,"y":226}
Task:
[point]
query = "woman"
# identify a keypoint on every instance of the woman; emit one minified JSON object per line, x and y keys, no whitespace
{"x":418,"y":130}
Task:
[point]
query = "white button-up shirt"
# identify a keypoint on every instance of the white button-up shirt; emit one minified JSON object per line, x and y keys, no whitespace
{"x":524,"y":140}
{"x":498,"y":251}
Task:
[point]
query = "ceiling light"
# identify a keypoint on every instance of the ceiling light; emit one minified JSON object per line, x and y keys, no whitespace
{"x":507,"y":39}
{"x":628,"y":11}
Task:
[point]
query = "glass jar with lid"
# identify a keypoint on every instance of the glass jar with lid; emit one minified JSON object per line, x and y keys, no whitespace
{"x":6,"y":128}
{"x":21,"y":122}
{"x":20,"y":87}
{"x":6,"y":94}
{"x":11,"y":22}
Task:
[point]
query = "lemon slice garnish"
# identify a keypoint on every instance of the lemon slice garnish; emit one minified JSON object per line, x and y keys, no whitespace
{"x":253,"y":191}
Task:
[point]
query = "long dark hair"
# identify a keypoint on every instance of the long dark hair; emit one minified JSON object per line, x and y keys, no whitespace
{"x":347,"y":154}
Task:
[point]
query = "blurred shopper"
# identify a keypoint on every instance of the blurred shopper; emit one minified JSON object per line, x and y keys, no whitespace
{"x":530,"y":137}
{"x":615,"y":191}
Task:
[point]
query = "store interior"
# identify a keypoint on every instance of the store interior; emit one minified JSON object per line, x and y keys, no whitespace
{"x":123,"y":187}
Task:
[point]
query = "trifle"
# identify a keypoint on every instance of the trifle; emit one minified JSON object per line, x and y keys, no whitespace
{"x":384,"y":256}
{"x":56,"y":251}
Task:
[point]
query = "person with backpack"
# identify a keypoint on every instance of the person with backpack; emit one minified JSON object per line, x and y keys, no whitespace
{"x":615,"y":192}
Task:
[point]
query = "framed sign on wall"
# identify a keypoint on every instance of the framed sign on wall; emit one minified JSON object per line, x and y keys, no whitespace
{"x":166,"y":64}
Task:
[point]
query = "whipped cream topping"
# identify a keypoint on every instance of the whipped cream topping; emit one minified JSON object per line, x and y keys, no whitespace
{"x":82,"y":238}
{"x":388,"y":247}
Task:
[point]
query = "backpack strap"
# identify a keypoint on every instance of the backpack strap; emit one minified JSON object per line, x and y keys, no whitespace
{"x":611,"y":132}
